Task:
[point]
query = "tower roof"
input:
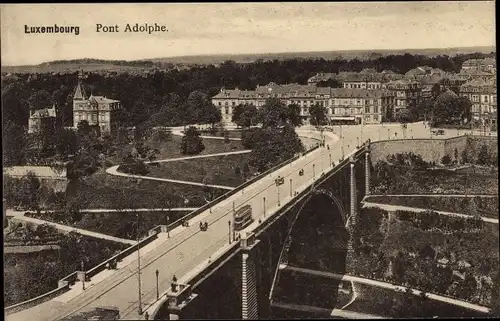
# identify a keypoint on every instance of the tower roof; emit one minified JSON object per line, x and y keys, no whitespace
{"x":80,"y":90}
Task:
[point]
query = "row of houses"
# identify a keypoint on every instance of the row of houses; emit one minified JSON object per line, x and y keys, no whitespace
{"x":342,"y":104}
{"x":371,"y":97}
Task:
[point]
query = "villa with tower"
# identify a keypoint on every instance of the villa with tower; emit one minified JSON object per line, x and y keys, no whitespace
{"x":98,"y":111}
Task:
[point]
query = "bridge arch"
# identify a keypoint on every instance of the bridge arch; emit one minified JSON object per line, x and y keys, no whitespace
{"x":319,"y":219}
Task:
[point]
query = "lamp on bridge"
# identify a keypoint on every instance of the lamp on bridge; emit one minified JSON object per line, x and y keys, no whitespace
{"x":229,"y":223}
{"x":157,"y":286}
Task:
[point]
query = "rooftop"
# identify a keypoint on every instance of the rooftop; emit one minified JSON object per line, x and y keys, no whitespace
{"x":44,"y":113}
{"x":102,"y":100}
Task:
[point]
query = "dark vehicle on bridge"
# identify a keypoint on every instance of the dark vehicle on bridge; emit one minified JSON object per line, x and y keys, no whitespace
{"x":279,"y":181}
{"x":438,"y":132}
{"x":301,"y":172}
{"x":243,"y":217}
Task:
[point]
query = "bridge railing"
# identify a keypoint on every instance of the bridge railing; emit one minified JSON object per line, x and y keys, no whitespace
{"x":118,"y":257}
{"x":221,"y":198}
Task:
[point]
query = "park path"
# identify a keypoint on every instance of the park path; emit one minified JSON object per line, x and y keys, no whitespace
{"x":178,"y":132}
{"x":432,"y":195}
{"x":390,"y":286}
{"x":392,"y":208}
{"x":20,"y":216}
{"x":334,"y":313}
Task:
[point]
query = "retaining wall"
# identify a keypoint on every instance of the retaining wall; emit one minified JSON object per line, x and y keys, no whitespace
{"x":432,"y":150}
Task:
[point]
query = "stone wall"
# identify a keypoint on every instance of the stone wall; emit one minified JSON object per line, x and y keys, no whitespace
{"x":432,"y":150}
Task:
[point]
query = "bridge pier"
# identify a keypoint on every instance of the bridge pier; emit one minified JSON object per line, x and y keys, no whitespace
{"x":353,"y":215}
{"x":367,"y":172}
{"x":250,"y":272}
{"x":178,"y":302}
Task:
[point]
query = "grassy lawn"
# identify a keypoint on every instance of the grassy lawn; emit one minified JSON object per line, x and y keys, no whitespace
{"x":232,"y":133}
{"x":170,"y":149}
{"x":29,"y":275}
{"x":486,"y":206}
{"x":102,"y":190}
{"x":211,"y":170}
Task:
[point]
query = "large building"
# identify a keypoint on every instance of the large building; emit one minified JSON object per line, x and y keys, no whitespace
{"x":96,"y":110}
{"x":365,"y":79}
{"x":322,"y":76}
{"x":408,"y":93}
{"x":360,"y":105}
{"x":483,"y":96}
{"x":486,"y":64}
{"x":342,"y":104}
{"x":42,"y":119}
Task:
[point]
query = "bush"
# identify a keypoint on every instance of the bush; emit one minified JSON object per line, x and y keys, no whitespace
{"x":446,"y":160}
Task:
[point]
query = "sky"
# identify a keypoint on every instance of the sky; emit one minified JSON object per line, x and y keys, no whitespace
{"x":241,"y":28}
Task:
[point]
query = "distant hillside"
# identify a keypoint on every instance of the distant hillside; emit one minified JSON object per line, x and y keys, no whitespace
{"x":327,"y":55}
{"x":89,"y":64}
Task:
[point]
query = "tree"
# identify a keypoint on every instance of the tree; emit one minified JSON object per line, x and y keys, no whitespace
{"x":446,"y":160}
{"x":192,"y":143}
{"x":83,"y":164}
{"x":245,"y":115}
{"x":332,"y":83}
{"x":469,"y":286}
{"x":464,"y":107}
{"x":483,"y":157}
{"x":449,"y":108}
{"x":464,"y":157}
{"x":30,"y":191}
{"x":405,"y":116}
{"x":294,"y":115}
{"x":226,"y":137}
{"x":40,"y":99}
{"x":66,"y":142}
{"x":455,"y":154}
{"x":318,"y":115}
{"x":495,"y":296}
{"x":274,"y":113}
{"x":272,"y":146}
{"x":14,"y":143}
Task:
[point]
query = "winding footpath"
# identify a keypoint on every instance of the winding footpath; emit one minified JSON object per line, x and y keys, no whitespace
{"x":20,"y":216}
{"x":178,"y":131}
{"x":389,"y":286}
{"x":393,"y":208}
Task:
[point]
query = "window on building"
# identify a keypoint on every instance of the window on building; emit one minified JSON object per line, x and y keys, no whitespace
{"x":234,"y":103}
{"x":226,"y":110}
{"x":367,"y":110}
{"x":375,"y":109}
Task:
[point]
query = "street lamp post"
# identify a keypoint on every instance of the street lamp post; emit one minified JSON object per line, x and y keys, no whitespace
{"x":357,"y":138}
{"x":290,"y":187}
{"x":314,"y":172}
{"x":229,"y":223}
{"x":330,"y":156}
{"x":139,"y":308}
{"x":278,"y":187}
{"x":83,"y":278}
{"x":264,"y":201}
{"x":157,"y":285}
{"x":168,"y":230}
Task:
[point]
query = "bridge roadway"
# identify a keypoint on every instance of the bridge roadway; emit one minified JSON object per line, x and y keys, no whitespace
{"x":186,"y":250}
